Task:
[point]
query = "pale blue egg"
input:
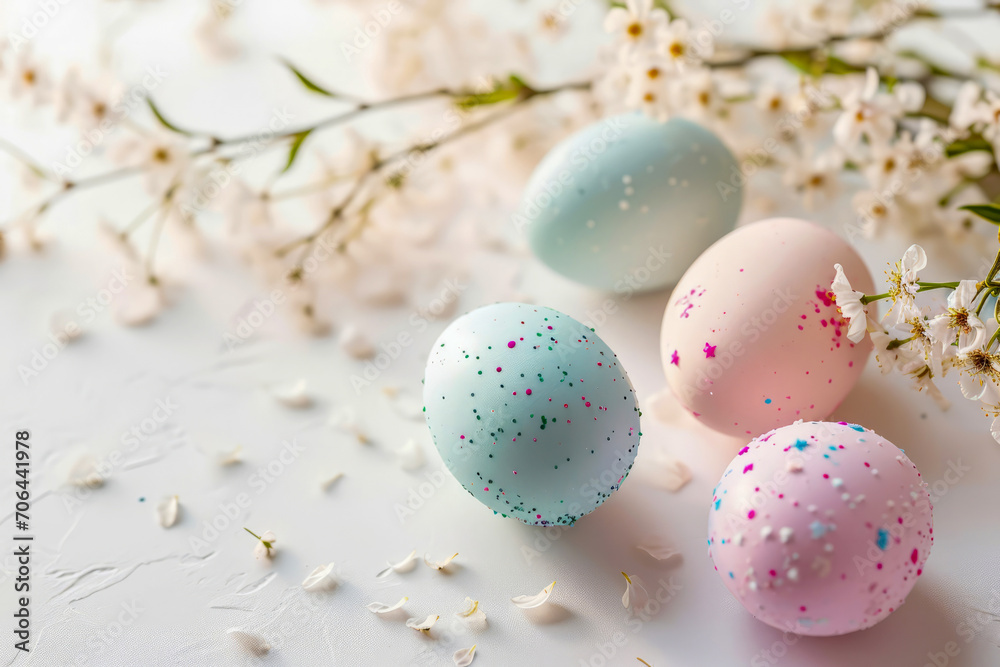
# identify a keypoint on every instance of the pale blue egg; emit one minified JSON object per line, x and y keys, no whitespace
{"x":531,"y":412}
{"x":629,"y":203}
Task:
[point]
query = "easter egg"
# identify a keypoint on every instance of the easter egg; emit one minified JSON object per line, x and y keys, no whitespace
{"x":820,"y":528}
{"x":531,"y":412}
{"x":751,"y":337}
{"x":629,"y":201}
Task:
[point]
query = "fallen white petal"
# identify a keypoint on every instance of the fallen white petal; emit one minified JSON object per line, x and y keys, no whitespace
{"x":292,"y":395}
{"x":84,"y":473}
{"x":411,"y":455}
{"x":379,"y":608}
{"x":168,"y":510}
{"x":250,"y":642}
{"x":532,"y":601}
{"x":320,"y":579}
{"x":674,"y":474}
{"x":404,"y":565}
{"x":439,"y":564}
{"x":423,"y":625}
{"x":354,"y":343}
{"x":345,"y":419}
{"x":471,"y":607}
{"x":635,"y":592}
{"x":231,"y":457}
{"x":657,"y":549}
{"x":138,"y":305}
{"x":329,"y":481}
{"x":63,"y":325}
{"x":463,"y":657}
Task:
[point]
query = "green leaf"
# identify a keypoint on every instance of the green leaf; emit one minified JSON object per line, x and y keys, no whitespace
{"x":163,"y":121}
{"x":989,"y":212}
{"x":307,"y":82}
{"x":804,"y":61}
{"x":504,"y":91}
{"x":293,"y":151}
{"x":963,"y":146}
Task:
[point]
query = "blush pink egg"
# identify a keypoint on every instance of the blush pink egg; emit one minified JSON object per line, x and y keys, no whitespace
{"x":751,"y":337}
{"x":820,"y":528}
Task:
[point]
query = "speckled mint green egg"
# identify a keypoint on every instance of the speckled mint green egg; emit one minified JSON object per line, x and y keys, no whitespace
{"x":630,"y":202}
{"x":531,"y":412}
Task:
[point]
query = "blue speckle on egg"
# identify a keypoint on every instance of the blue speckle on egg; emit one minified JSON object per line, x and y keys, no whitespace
{"x":630,"y":202}
{"x":531,"y":412}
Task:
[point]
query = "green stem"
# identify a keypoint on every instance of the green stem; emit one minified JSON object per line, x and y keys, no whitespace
{"x":865,"y":300}
{"x":929,"y":286}
{"x":893,"y":344}
{"x":251,"y":532}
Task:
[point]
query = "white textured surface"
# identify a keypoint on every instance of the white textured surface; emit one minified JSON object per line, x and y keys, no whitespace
{"x":105,"y":560}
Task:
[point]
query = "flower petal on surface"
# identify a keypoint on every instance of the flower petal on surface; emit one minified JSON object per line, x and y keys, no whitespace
{"x":439,"y":564}
{"x":464,"y":657}
{"x":168,"y":510}
{"x":250,"y":642}
{"x":379,"y":608}
{"x":424,"y":625}
{"x":404,"y":565}
{"x":320,"y":579}
{"x":292,"y":395}
{"x":536,"y":600}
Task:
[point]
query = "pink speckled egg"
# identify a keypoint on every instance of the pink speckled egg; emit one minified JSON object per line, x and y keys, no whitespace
{"x":751,"y":337}
{"x":820,"y":528}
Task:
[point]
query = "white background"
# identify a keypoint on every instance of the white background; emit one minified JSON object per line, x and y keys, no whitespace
{"x":93,"y":556}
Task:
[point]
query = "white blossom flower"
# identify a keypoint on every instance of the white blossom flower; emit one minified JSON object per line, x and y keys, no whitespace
{"x":903,"y":283}
{"x":650,"y":87}
{"x":28,"y":79}
{"x":979,"y":376}
{"x":678,"y":44}
{"x":819,"y":19}
{"x":265,"y":544}
{"x":636,"y":25}
{"x":871,"y":114}
{"x":849,"y":304}
{"x":960,"y":320}
{"x":817,"y":178}
{"x":162,"y":158}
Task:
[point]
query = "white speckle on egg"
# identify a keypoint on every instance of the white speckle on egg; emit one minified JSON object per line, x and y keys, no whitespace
{"x":626,"y":179}
{"x":623,"y":205}
{"x":591,"y":224}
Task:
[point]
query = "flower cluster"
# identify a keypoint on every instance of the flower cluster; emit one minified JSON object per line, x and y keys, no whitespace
{"x":925,"y":341}
{"x":857,"y":106}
